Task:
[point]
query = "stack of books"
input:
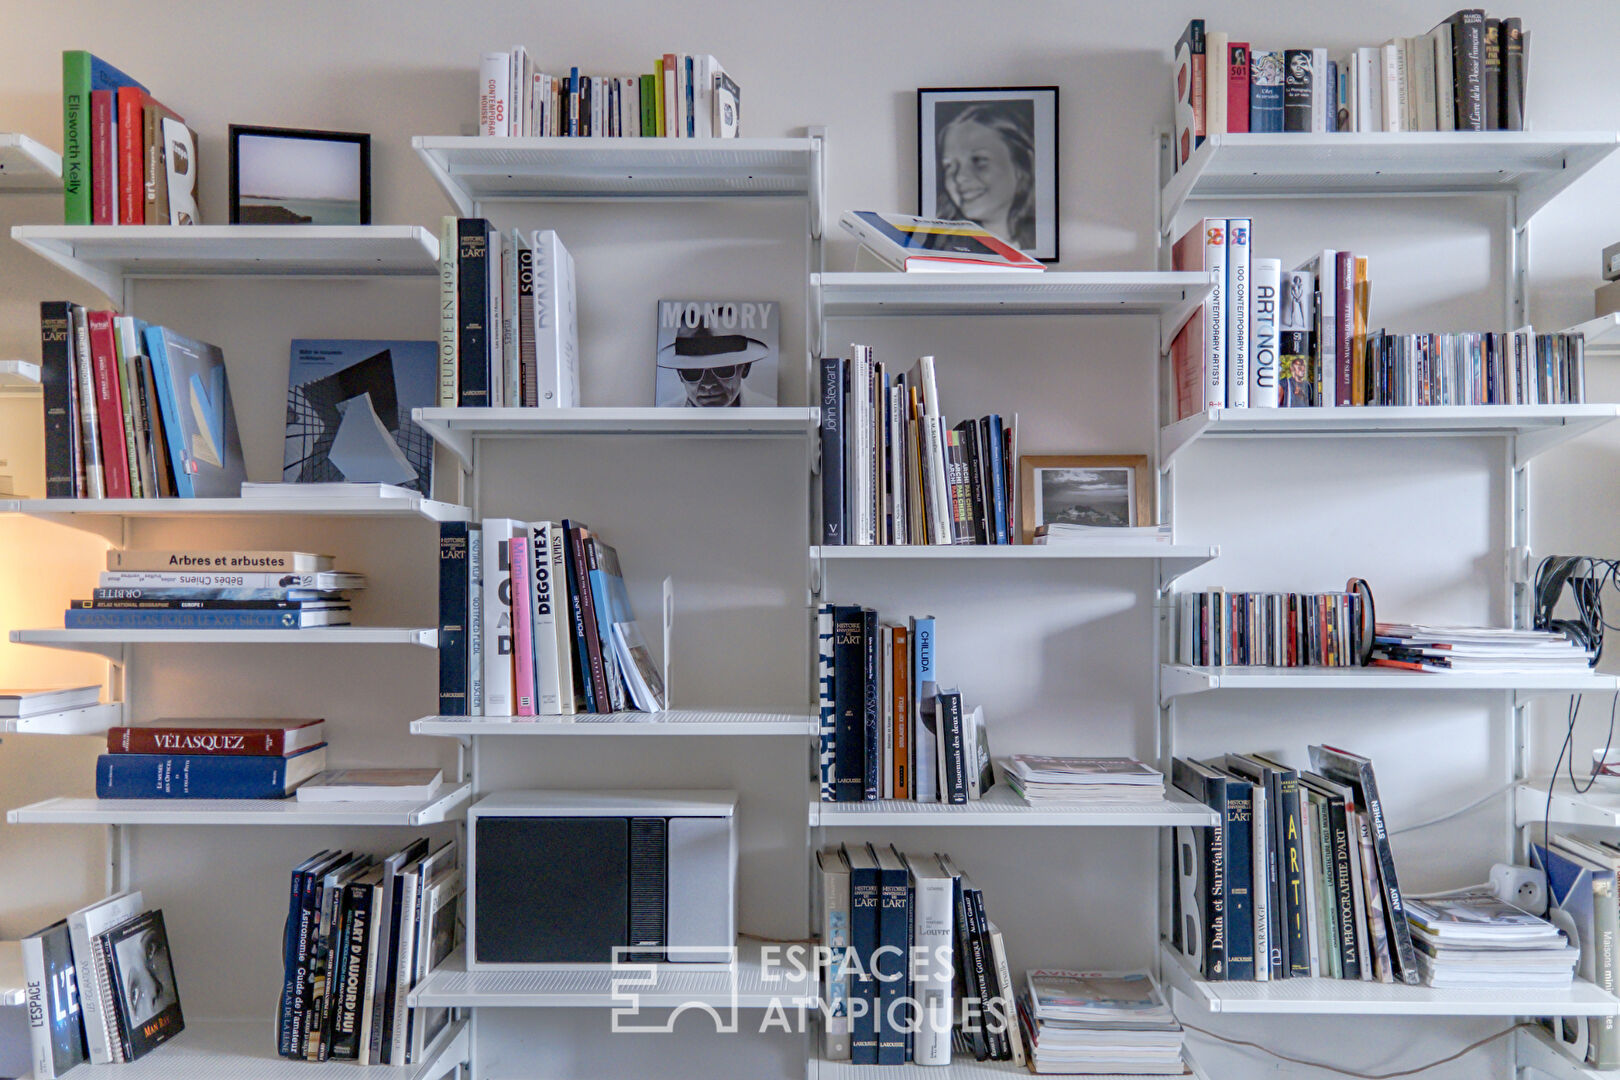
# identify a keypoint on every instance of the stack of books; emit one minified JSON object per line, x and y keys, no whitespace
{"x":1066,"y":534}
{"x":1481,"y":650}
{"x":1296,"y":879}
{"x":151,"y":589}
{"x":535,"y":620}
{"x":360,"y":933}
{"x":1467,"y":74}
{"x":100,"y":986}
{"x":1472,"y":939}
{"x":878,"y":908}
{"x":895,"y":471}
{"x":1041,"y":780}
{"x":127,"y":159}
{"x":686,"y":96}
{"x":1217,"y":628}
{"x":888,"y":729}
{"x":21,"y":704}
{"x":133,"y":411}
{"x":1091,"y":1022}
{"x":508,"y":325}
{"x":210,"y":759}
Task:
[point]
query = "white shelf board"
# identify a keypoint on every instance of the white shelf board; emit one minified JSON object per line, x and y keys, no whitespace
{"x":1345,"y":997}
{"x":1599,"y":807}
{"x":1143,"y":292}
{"x":28,"y":167}
{"x":13,"y":985}
{"x":19,"y":377}
{"x":92,"y":720}
{"x":246,"y":1050}
{"x":1537,"y":428}
{"x":744,"y":985}
{"x":441,"y":807}
{"x":105,"y":255}
{"x":109,"y":642}
{"x":1602,"y":336}
{"x":456,"y":429}
{"x":965,"y":1068}
{"x":1534,"y":166}
{"x":1177,"y":680}
{"x":1173,"y":559}
{"x":669,"y":722}
{"x":105,"y":515}
{"x":1538,"y":1050}
{"x":1002,"y":807}
{"x":473,"y":169}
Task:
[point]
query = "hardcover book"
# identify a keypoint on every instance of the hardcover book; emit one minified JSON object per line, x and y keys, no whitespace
{"x":259,"y":738}
{"x":194,"y":397}
{"x":55,"y":1022}
{"x":349,"y":413}
{"x":147,"y":998}
{"x":717,"y":354}
{"x":912,"y":244}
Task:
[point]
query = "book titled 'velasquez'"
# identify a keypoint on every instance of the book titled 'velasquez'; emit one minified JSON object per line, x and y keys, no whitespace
{"x":293,"y":562}
{"x":257,"y":738}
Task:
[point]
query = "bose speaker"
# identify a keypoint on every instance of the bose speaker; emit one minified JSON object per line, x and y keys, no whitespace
{"x":568,"y":877}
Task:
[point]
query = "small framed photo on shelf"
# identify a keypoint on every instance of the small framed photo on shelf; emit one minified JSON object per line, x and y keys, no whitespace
{"x":289,"y":176}
{"x":1101,"y":490}
{"x":989,"y":155}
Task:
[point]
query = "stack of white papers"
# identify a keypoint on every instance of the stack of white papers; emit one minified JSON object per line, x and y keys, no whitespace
{"x":1490,"y":650}
{"x":1472,"y":939}
{"x":1039,"y":779}
{"x":1091,"y":1022}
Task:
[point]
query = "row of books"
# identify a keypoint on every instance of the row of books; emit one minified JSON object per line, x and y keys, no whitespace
{"x":1467,"y":74}
{"x":888,"y":730}
{"x":534,"y":620}
{"x":508,"y":324}
{"x":1472,"y":939}
{"x":913,"y":963}
{"x":686,"y":96}
{"x":895,"y":471}
{"x":160,"y":589}
{"x":1216,"y":628}
{"x":127,"y":159}
{"x":361,"y":932}
{"x":1582,"y":893}
{"x":1296,"y":879}
{"x":100,"y":986}
{"x":1473,"y":368}
{"x":132,"y":410}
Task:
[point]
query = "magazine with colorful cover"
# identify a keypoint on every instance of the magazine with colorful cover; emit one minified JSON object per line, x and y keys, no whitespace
{"x":908,"y":243}
{"x":349,"y":413}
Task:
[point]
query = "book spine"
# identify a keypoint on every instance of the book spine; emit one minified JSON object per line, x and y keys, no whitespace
{"x":131,"y":189}
{"x":41,"y":1051}
{"x":1217,"y":312}
{"x":213,"y":741}
{"x":308,"y":886}
{"x":865,"y":890}
{"x":103,"y":151}
{"x":453,"y":607}
{"x":522,"y":320}
{"x":585,"y":635}
{"x":1344,"y":293}
{"x":1238,"y":308}
{"x":603,"y":605}
{"x":1264,"y":367}
{"x":1468,"y":66}
{"x":872,"y":710}
{"x":109,"y":404}
{"x":1237,"y":86}
{"x":900,"y":710}
{"x":1262,"y":892}
{"x":112,"y":1000}
{"x":849,"y":701}
{"x":832,"y":451}
{"x":76,"y":137}
{"x":568,"y":693}
{"x":474,"y":334}
{"x":549,"y":672}
{"x":1491,"y":73}
{"x":1239,"y":860}
{"x":498,"y":606}
{"x":194,"y":619}
{"x":975,"y":970}
{"x":354,"y":932}
{"x":189,"y":776}
{"x":952,"y":750}
{"x":1400,"y":933}
{"x":1513,"y":72}
{"x":891,"y":962}
{"x":931,"y":986}
{"x":1215,"y":82}
{"x":998,"y":473}
{"x":1293,"y":861}
{"x":494,"y":85}
{"x":1265,"y":90}
{"x":827,"y":705}
{"x":924,"y":696}
{"x":56,"y":385}
{"x":995,"y":1035}
{"x":396,"y":984}
{"x":449,"y":319}
{"x":522,"y":593}
{"x":1297,"y":89}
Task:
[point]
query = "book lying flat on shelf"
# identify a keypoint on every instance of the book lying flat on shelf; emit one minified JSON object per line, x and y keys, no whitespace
{"x":144,"y":560}
{"x":1061,"y":534}
{"x":1039,"y":779}
{"x":252,"y":738}
{"x":205,"y":776}
{"x":371,"y":785}
{"x":21,"y":704}
{"x":1473,"y":939}
{"x":1479,"y":650}
{"x":1080,"y":1022}
{"x":252,"y":489}
{"x":917,"y":244}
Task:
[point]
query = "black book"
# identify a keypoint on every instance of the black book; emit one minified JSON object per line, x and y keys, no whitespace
{"x":352,"y":972}
{"x":147,"y":999}
{"x":849,"y":704}
{"x":953,"y":785}
{"x":453,"y":610}
{"x":1340,"y":866}
{"x":973,"y":964}
{"x":865,"y":889}
{"x":1356,"y":773}
{"x":475,"y":337}
{"x":1297,"y":89}
{"x":1492,"y":43}
{"x":833,"y":526}
{"x":649,"y":845}
{"x":892,"y":961}
{"x":1201,"y":872}
{"x":56,"y":382}
{"x":593,"y":676}
{"x":1512,"y":75}
{"x":969,"y":431}
{"x":1468,"y":67}
{"x":872,"y":745}
{"x":1238,"y":855}
{"x":995,"y":1035}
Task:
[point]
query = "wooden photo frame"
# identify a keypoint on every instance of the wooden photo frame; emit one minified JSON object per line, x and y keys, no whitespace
{"x":1089,"y":500}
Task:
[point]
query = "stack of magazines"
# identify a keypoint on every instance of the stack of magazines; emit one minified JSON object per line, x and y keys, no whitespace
{"x":1040,"y":779}
{"x":1471,"y":939}
{"x":1479,"y":649}
{"x":1100,"y":1022}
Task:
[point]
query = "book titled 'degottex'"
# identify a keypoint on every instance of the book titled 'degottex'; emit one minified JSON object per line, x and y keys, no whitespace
{"x":258,"y":738}
{"x":295,"y":562}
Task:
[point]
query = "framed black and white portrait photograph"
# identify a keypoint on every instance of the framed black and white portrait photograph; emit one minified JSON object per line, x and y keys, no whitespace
{"x":289,"y":176}
{"x":1097,"y":490}
{"x":989,"y":155}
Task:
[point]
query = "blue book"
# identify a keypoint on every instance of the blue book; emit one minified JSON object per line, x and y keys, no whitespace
{"x":832,"y":450}
{"x":194,"y":619}
{"x":453,"y":610}
{"x":1265,"y":90}
{"x":865,"y":888}
{"x":993,"y":432}
{"x":1239,"y":858}
{"x":894,"y":939}
{"x":289,"y":955}
{"x":199,"y":424}
{"x":204,"y":776}
{"x":612,"y":605}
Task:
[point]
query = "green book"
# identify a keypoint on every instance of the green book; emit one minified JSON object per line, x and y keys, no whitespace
{"x":649,"y":105}
{"x":82,"y":72}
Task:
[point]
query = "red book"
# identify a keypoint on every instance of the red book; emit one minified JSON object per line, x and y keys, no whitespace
{"x":1237,"y":86}
{"x":131,"y":156}
{"x":109,"y":404}
{"x":103,"y":147}
{"x":1344,"y":274}
{"x":220,"y":738}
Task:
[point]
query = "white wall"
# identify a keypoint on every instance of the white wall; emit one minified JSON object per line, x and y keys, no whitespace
{"x":1058,"y":657}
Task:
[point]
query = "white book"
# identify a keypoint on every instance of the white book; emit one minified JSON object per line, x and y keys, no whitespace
{"x":1260,"y":853}
{"x":670,"y":113}
{"x":630,"y":91}
{"x":560,"y":634}
{"x":832,"y":894}
{"x":22,"y":703}
{"x":543,"y":619}
{"x":1216,"y":81}
{"x":860,"y":425}
{"x":1394,"y":90}
{"x":494,"y":76}
{"x":703,"y":95}
{"x":1320,"y":105}
{"x":498,"y":676}
{"x":507,"y":377}
{"x":599,"y":96}
{"x":84,"y":926}
{"x":1003,"y":1005}
{"x":1265,"y":283}
{"x":1313,"y":891}
{"x":1238,"y":299}
{"x":1369,"y":116}
{"x":1324,"y":266}
{"x":495,"y":292}
{"x":727,"y":105}
{"x":435,"y":941}
{"x":1445,"y":103}
{"x":1421,"y":80}
{"x":939,"y":502}
{"x":1215,"y":312}
{"x":371,"y":785}
{"x":556,"y":322}
{"x":925,"y":710}
{"x":475,"y":621}
{"x":1408,"y":72}
{"x":933,"y":933}
{"x":516,"y":101}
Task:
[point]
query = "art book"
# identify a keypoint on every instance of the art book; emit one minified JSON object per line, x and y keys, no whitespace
{"x":148,"y":1001}
{"x":194,"y":398}
{"x":349,"y":413}
{"x":717,"y":354}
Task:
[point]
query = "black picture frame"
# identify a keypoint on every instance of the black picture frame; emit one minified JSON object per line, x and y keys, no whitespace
{"x":359,"y":139}
{"x":1030,"y":131}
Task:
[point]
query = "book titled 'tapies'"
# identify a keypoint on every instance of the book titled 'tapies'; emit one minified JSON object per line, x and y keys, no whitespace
{"x":204,"y":776}
{"x":242,"y":738}
{"x":147,"y":999}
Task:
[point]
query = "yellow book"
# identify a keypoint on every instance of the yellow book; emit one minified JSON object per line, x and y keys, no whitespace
{"x":1358,"y":341}
{"x":658,"y":105}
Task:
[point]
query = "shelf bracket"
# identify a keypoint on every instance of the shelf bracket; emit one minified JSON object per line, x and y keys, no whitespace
{"x":817,"y":133}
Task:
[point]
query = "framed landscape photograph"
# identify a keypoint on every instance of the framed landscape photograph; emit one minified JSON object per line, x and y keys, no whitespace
{"x":289,"y":176}
{"x":989,"y":155}
{"x":1102,"y":490}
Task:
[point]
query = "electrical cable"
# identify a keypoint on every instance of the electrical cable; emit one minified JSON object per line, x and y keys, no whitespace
{"x":1457,"y":813}
{"x":1470,"y":1048}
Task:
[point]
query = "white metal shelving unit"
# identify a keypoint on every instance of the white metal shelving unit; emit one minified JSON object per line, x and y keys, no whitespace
{"x":13,"y":985}
{"x":109,"y":518}
{"x":1602,"y":336}
{"x":19,"y":377}
{"x":93,"y":720}
{"x":967,"y":1070}
{"x":28,"y":167}
{"x":1000,"y":807}
{"x":1527,"y":170}
{"x":669,"y":722}
{"x":441,"y":806}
